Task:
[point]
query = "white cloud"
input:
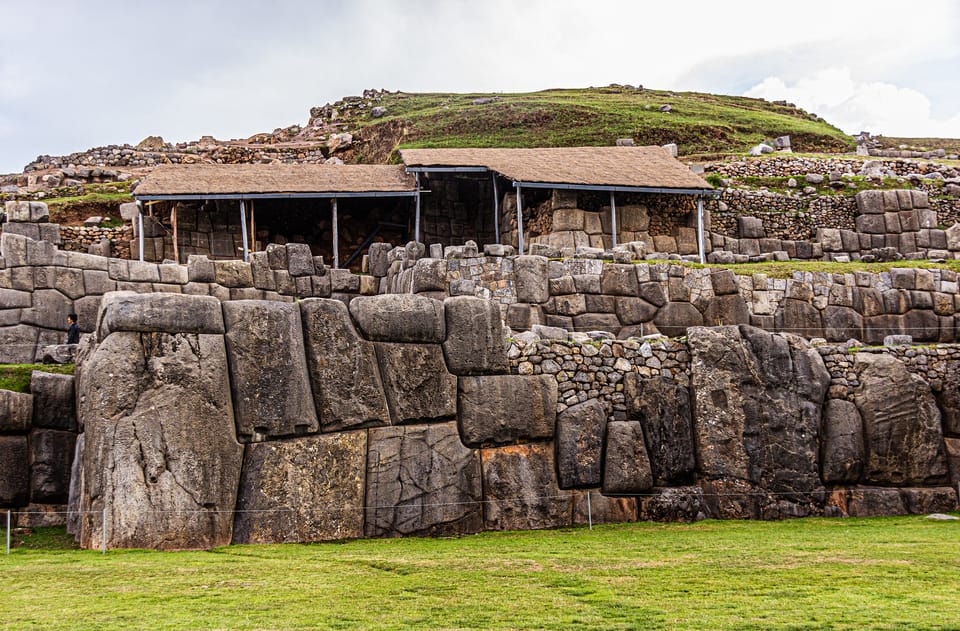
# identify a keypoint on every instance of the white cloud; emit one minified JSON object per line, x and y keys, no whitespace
{"x":853,"y":105}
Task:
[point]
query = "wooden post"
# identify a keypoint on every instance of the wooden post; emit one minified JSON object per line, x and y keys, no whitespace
{"x":140,"y":229}
{"x":496,"y":209}
{"x":700,"y":241}
{"x":416,"y":216}
{"x":253,"y":229}
{"x":243,"y":229}
{"x":336,"y":235}
{"x":613,"y":218}
{"x":173,"y":223}
{"x":519,"y":220}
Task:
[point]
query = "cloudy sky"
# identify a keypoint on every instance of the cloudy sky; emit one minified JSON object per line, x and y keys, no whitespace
{"x":74,"y":75}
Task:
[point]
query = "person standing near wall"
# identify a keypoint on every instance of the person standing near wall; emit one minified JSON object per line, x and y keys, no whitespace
{"x":73,"y":331}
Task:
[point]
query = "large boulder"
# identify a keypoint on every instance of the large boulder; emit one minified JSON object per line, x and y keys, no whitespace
{"x":16,"y":412}
{"x":683,"y":503}
{"x":304,"y":489}
{"x":159,"y":312}
{"x":417,"y":385}
{"x":580,"y":433}
{"x":268,"y":370}
{"x":675,"y":318}
{"x":421,"y":480}
{"x":626,"y":466}
{"x":841,"y":443}
{"x":18,"y":344}
{"x":663,"y":408}
{"x":521,"y":491}
{"x":14,"y":471}
{"x":757,"y":400}
{"x":499,"y":409}
{"x":51,"y":456}
{"x":530,"y":273}
{"x":475,"y":337}
{"x":399,"y":318}
{"x":902,"y":431}
{"x":54,"y":403}
{"x":160,"y":455}
{"x":347,"y":388}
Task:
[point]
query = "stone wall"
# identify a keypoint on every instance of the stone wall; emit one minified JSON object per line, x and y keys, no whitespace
{"x":38,"y":437}
{"x":316,"y":442}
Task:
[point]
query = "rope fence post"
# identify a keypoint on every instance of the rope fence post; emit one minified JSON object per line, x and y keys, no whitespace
{"x":103,"y":533}
{"x":8,"y":531}
{"x":589,"y":512}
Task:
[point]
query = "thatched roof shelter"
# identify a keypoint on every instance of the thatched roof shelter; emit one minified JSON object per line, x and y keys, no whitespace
{"x":637,"y":168}
{"x":235,"y":181}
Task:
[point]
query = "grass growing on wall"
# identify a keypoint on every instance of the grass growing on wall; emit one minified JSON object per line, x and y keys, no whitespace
{"x":785,"y":269}
{"x":882,"y":573}
{"x":16,"y":377}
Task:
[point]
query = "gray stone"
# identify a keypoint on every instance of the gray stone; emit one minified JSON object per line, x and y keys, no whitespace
{"x":531,"y":279}
{"x":232,"y":274}
{"x":200,"y":269}
{"x":800,"y":318}
{"x":300,"y":260}
{"x":18,"y":344}
{"x":379,"y":264}
{"x":54,"y":402}
{"x":475,"y":337}
{"x":399,"y":318}
{"x":428,"y":275}
{"x":841,"y":445}
{"x":726,"y":309}
{"x":634,"y":310}
{"x":521,"y":491}
{"x":841,"y":324}
{"x":580,"y":436}
{"x":757,"y":399}
{"x":16,"y":412}
{"x":653,"y":293}
{"x":162,"y":312}
{"x":619,"y":280}
{"x":685,"y":504}
{"x":271,"y":391}
{"x":626,"y":466}
{"x":143,"y":398}
{"x":51,"y":457}
{"x":305,"y":489}
{"x":13,"y":299}
{"x":49,"y":310}
{"x":347,"y":388}
{"x":14,"y":471}
{"x":750,"y":228}
{"x":506,"y":408}
{"x":902,"y":430}
{"x":416,"y":382}
{"x":675,"y":317}
{"x":663,"y":408}
{"x":445,"y":496}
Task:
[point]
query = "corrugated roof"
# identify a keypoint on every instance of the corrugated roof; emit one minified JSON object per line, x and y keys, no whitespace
{"x":641,"y":167}
{"x":254,"y":179}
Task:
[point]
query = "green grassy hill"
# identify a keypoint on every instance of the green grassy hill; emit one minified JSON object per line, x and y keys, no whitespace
{"x":700,"y":124}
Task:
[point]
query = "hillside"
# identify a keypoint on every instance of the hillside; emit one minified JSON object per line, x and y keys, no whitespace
{"x":699,"y":123}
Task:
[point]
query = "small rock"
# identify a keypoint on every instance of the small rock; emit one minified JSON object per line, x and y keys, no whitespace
{"x":377,"y":112}
{"x":665,"y":108}
{"x":942,"y":517}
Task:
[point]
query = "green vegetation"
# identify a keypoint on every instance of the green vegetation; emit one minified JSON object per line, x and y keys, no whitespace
{"x":779,"y":185}
{"x":950,"y":145}
{"x":881,"y":573}
{"x":704,"y":124}
{"x":16,"y":377}
{"x":101,"y":193}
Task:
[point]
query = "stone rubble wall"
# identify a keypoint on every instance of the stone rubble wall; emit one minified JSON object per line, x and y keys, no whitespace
{"x":794,"y":166}
{"x":733,"y":422}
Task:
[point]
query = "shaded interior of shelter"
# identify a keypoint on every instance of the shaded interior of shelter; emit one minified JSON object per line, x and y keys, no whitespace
{"x":454,"y":208}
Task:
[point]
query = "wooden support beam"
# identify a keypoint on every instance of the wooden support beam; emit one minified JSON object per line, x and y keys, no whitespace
{"x":613,"y":218}
{"x":243,"y":230}
{"x":336,"y":233}
{"x":519,"y":220}
{"x":173,"y":223}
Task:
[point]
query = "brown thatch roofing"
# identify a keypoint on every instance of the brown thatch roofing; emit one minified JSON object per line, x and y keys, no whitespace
{"x":254,"y":179}
{"x":641,"y":167}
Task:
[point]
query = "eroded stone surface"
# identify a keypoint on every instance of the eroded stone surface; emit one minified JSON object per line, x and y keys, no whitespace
{"x":268,"y":370}
{"x":580,"y":434}
{"x":501,"y":409}
{"x":303,"y":489}
{"x":347,"y":388}
{"x":421,"y":480}
{"x":416,"y":382}
{"x":160,"y":453}
{"x":521,"y":491}
{"x":663,"y":408}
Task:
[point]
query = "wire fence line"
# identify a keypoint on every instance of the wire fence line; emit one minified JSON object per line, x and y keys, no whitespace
{"x":673,"y":493}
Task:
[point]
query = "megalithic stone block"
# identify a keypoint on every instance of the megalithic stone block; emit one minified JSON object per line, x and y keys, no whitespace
{"x":475,"y":343}
{"x":268,"y":370}
{"x":416,"y":382}
{"x":346,"y":383}
{"x":506,"y":408}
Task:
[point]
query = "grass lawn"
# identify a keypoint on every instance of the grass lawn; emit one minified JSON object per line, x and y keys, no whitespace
{"x":882,"y":573}
{"x":16,"y":377}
